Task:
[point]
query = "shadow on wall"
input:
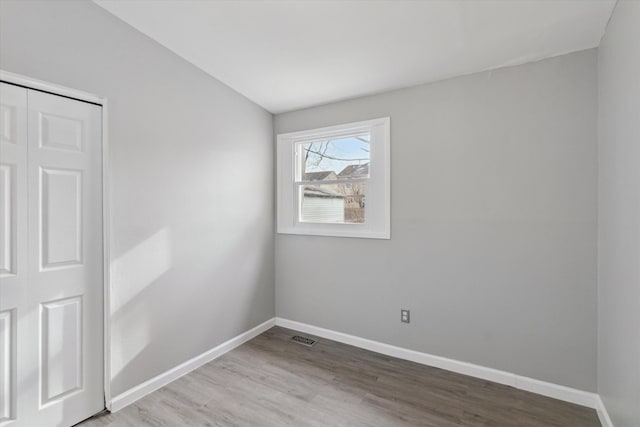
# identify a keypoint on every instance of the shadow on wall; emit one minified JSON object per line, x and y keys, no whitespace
{"x":147,"y":269}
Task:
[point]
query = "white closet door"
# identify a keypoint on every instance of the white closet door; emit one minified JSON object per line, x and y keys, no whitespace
{"x":57,"y":315}
{"x":13,"y":244}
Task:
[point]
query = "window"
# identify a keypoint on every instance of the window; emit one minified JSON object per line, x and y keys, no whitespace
{"x":334,"y":181}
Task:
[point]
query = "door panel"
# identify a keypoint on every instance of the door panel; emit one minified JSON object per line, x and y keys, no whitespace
{"x":61,"y":218}
{"x":7,"y":365}
{"x":61,"y":348}
{"x":51,"y":309}
{"x":7,"y":225}
{"x":11,"y":113}
{"x":60,"y":132}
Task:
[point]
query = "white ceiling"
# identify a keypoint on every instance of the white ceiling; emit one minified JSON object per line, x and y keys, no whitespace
{"x":286,"y":55}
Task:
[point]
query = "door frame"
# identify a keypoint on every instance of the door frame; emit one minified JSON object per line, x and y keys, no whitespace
{"x":31,"y":83}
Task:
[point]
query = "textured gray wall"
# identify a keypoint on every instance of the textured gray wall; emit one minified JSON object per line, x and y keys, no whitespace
{"x":619,"y":217}
{"x":494,"y":202}
{"x":191,"y":189}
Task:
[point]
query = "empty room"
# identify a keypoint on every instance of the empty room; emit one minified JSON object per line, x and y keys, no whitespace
{"x":320,"y":213}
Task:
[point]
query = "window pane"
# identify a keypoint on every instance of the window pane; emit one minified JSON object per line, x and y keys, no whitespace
{"x":333,"y":203}
{"x":335,"y":158}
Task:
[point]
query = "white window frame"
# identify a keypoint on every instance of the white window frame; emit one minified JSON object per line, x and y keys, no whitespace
{"x":378,"y":199}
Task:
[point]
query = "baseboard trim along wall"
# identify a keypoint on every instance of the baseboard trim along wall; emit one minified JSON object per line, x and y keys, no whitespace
{"x":605,"y":420}
{"x":138,"y":392}
{"x":568,"y":394}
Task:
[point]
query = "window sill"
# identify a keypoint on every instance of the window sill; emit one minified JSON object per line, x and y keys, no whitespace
{"x":358,"y":234}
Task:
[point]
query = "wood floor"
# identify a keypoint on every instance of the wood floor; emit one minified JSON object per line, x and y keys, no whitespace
{"x":271,"y":381}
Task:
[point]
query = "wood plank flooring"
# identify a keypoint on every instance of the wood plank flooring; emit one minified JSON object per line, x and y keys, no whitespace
{"x":271,"y":381}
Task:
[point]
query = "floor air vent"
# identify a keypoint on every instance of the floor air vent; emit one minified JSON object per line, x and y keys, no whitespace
{"x":303,"y":340}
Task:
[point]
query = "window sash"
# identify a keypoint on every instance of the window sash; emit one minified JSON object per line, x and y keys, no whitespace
{"x":298,"y":199}
{"x":325,"y":136}
{"x":332,"y":181}
{"x":298,"y":157}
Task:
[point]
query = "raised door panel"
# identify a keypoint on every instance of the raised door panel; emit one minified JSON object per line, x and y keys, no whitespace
{"x":13,"y":200}
{"x":7,"y":365}
{"x":13,"y":120}
{"x":8,"y":123}
{"x":8,"y":220}
{"x":61,"y":218}
{"x":59,"y":132}
{"x":61,"y":346}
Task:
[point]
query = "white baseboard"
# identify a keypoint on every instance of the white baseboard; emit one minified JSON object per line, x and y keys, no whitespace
{"x":605,"y":420}
{"x":555,"y":391}
{"x":139,"y":391}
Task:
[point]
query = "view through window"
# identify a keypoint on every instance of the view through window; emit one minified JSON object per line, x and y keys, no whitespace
{"x":332,"y":177}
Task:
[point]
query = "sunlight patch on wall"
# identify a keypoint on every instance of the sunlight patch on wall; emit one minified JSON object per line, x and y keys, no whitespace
{"x":139,"y":267}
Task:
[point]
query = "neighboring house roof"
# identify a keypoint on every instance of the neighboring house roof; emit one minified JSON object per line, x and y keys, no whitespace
{"x":355,"y":171}
{"x":319,"y":176}
{"x":322,"y":192}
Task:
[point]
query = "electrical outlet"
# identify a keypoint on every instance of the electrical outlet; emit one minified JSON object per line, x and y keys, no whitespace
{"x":405,"y":316}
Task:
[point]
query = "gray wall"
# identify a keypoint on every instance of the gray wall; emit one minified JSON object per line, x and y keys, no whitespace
{"x":493,"y":214}
{"x":619,"y":217}
{"x":494,"y":203}
{"x":191,"y":190}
